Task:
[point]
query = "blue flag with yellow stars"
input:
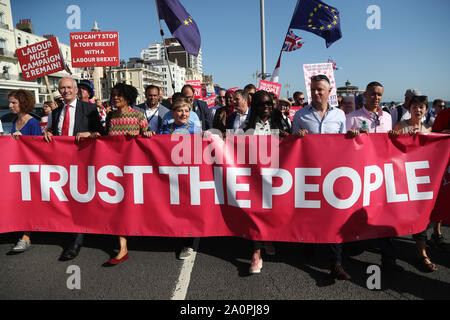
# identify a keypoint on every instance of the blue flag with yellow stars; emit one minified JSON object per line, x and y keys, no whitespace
{"x":180,"y":24}
{"x":319,"y":18}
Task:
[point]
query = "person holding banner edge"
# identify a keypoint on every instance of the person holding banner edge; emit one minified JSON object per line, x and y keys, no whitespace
{"x":73,"y":118}
{"x":21,"y":102}
{"x":130,"y":122}
{"x":320,"y":118}
{"x":376,"y":121}
{"x":262,"y":121}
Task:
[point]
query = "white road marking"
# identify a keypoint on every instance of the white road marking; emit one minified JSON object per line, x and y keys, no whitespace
{"x":184,"y":278}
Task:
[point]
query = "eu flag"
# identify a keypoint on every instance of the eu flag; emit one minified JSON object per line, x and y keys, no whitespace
{"x":319,"y":18}
{"x":181,"y":24}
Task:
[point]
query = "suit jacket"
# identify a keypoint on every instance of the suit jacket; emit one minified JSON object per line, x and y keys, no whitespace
{"x":232,"y":117}
{"x":204,"y":114}
{"x":161,"y":112}
{"x":87,"y":119}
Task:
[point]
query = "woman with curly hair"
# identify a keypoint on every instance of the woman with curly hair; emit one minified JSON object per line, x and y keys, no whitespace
{"x":21,"y":102}
{"x":125,"y":121}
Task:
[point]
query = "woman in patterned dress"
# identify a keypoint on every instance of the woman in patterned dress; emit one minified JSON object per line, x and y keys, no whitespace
{"x":125,"y":121}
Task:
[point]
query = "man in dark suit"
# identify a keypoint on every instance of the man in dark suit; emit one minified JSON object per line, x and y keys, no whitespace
{"x":239,"y":119}
{"x":74,"y":118}
{"x":199,"y":107}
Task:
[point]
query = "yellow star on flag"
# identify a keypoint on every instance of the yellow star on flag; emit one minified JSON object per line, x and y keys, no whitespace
{"x":329,"y":26}
{"x":186,"y":22}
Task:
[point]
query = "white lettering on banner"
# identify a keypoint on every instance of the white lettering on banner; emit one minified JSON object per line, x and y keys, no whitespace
{"x":35,"y":64}
{"x":391,"y":192}
{"x":36,"y":48}
{"x":233,"y":187}
{"x":413,"y":181}
{"x":55,"y":178}
{"x":25,"y":178}
{"x":173,"y":173}
{"x":267,"y":185}
{"x":90,"y":193}
{"x":138,"y":180}
{"x":197,"y":185}
{"x":102,"y":177}
{"x":301,"y":187}
{"x":56,"y":186}
{"x":368,"y":186}
{"x":328,"y":185}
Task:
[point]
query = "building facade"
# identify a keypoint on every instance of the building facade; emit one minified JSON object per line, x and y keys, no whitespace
{"x":12,"y":39}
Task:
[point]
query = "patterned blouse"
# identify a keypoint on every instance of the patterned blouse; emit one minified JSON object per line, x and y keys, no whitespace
{"x":131,"y":122}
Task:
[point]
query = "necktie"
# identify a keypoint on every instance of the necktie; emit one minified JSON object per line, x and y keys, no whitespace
{"x":66,"y":122}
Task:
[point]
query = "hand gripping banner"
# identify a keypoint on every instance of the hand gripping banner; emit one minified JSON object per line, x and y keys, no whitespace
{"x":320,"y":188}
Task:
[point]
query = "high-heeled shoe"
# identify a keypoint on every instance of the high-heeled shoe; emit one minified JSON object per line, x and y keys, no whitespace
{"x":114,"y":262}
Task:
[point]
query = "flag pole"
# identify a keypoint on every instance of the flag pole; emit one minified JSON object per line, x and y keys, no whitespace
{"x":165,"y":50}
{"x":263,"y":41}
{"x":281,"y":50}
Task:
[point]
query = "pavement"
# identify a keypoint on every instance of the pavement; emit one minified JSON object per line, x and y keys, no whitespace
{"x":218,"y":271}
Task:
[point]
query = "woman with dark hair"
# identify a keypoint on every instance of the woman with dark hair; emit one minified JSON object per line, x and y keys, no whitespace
{"x":263,"y":120}
{"x":125,"y":121}
{"x":417,"y":107}
{"x":21,"y":102}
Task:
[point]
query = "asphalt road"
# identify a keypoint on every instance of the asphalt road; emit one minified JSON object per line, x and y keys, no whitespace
{"x":219,"y":271}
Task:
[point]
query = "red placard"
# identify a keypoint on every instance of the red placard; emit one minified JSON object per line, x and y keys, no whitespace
{"x":40,"y":59}
{"x":210,"y":101}
{"x":94,"y":49}
{"x":194,"y":82}
{"x":270,"y":87}
{"x":292,"y":112}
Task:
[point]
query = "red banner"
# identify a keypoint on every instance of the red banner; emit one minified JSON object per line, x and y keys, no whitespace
{"x":40,"y":59}
{"x":254,"y":187}
{"x":94,"y":49}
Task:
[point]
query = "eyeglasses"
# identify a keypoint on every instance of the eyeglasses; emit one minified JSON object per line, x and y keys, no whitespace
{"x":320,"y":77}
{"x":221,"y":97}
{"x":302,"y":98}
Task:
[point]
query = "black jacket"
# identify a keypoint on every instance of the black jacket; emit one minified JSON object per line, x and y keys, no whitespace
{"x":204,"y":114}
{"x":87,"y":119}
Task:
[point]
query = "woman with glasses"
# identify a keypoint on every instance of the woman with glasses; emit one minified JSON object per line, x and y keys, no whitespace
{"x":417,"y":108}
{"x":262,"y":122}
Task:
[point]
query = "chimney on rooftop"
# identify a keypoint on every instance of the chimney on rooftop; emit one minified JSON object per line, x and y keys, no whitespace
{"x":25,"y":25}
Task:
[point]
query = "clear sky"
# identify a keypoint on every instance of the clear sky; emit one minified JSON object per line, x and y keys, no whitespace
{"x":411,"y":50}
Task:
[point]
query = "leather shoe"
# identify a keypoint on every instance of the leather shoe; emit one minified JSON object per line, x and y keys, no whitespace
{"x":70,"y":253}
{"x":339,"y":273}
{"x":114,"y":262}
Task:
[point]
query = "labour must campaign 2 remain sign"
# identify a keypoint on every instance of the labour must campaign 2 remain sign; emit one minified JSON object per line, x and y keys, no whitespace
{"x":94,"y":49}
{"x":40,"y":59}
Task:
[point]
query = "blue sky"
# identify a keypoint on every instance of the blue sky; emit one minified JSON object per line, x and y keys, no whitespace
{"x":411,"y":50}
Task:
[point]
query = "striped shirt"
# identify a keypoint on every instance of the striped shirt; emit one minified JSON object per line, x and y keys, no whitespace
{"x":131,"y":122}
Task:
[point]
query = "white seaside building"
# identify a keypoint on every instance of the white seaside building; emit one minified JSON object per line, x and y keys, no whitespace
{"x":10,"y":73}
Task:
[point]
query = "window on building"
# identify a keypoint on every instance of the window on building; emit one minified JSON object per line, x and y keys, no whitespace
{"x":19,"y":41}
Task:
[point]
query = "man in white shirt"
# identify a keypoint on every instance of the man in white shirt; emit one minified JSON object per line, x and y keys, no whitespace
{"x":152,"y":109}
{"x":73,"y":118}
